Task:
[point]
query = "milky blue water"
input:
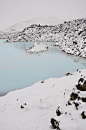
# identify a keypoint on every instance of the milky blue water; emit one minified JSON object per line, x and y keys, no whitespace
{"x":19,"y":69}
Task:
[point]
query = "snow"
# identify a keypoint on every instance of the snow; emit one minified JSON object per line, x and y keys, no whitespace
{"x":69,"y":36}
{"x":40,"y":20}
{"x":37,"y":47}
{"x":42,"y":100}
{"x":33,"y":107}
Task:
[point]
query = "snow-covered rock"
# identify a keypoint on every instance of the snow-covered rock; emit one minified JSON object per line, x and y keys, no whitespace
{"x":41,"y":20}
{"x":69,"y":36}
{"x":37,"y":47}
{"x":32,"y":108}
{"x":7,"y":35}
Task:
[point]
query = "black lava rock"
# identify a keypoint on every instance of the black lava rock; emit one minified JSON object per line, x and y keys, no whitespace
{"x":81,"y":80}
{"x":68,"y":74}
{"x":73,"y":96}
{"x":22,"y":107}
{"x":83,"y":99}
{"x":42,"y":81}
{"x":83,"y":115}
{"x":55,"y":124}
{"x":76,"y":105}
{"x":69,"y":103}
{"x":81,"y":87}
{"x":58,"y":112}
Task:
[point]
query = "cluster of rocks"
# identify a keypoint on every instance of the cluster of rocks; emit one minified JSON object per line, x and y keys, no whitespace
{"x":55,"y":124}
{"x":77,"y":99}
{"x":37,"y":47}
{"x":70,"y":36}
{"x":73,"y":39}
{"x":6,"y":35}
{"x":22,"y":106}
{"x":81,"y":84}
{"x":3,"y":36}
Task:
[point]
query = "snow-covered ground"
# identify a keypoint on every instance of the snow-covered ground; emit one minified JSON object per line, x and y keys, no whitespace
{"x":37,"y":47}
{"x":32,"y":108}
{"x":70,"y":36}
{"x":57,"y":102}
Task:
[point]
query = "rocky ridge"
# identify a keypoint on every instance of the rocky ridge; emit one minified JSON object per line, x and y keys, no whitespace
{"x":70,"y":36}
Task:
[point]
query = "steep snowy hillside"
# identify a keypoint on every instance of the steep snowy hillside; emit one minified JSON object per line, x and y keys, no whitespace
{"x":71,"y":36}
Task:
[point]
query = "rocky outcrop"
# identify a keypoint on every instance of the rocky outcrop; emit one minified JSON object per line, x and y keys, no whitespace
{"x":36,"y":48}
{"x":69,"y":36}
{"x":77,"y":100}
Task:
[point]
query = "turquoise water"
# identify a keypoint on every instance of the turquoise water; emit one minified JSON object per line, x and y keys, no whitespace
{"x":19,"y":69}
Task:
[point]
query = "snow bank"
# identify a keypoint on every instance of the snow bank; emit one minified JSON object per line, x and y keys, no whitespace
{"x":37,"y":47}
{"x":32,"y":108}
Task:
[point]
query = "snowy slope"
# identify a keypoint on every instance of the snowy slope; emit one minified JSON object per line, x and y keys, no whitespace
{"x":32,"y":108}
{"x":42,"y":21}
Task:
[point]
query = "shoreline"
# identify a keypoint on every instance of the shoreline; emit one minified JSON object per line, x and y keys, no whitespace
{"x":60,"y":47}
{"x":64,"y":51}
{"x":33,"y":107}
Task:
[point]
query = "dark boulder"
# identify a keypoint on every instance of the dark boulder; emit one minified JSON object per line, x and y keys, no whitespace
{"x":83,"y":99}
{"x":55,"y":124}
{"x":81,"y":87}
{"x":81,"y":80}
{"x":69,"y":103}
{"x":58,"y":112}
{"x":76,"y":105}
{"x":73,"y":96}
{"x":42,"y":81}
{"x":83,"y":115}
{"x":67,"y":74}
{"x":22,"y":107}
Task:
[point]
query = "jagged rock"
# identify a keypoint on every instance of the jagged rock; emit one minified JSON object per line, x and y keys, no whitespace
{"x":81,"y":86}
{"x":55,"y":124}
{"x":22,"y":107}
{"x":68,"y":74}
{"x":79,"y":98}
{"x":42,"y":81}
{"x":76,"y":105}
{"x":80,"y":80}
{"x":83,"y":114}
{"x":73,"y":96}
{"x":58,"y":112}
{"x":69,"y":103}
{"x":83,"y":99}
{"x":75,"y":42}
